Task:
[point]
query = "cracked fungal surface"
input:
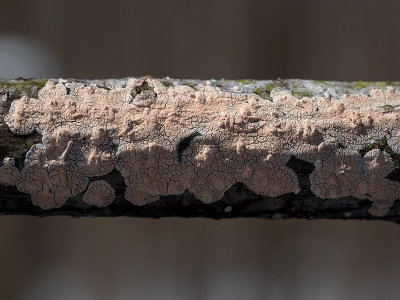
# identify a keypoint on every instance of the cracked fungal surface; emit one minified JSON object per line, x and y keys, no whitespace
{"x":166,"y":137}
{"x":99,"y":193}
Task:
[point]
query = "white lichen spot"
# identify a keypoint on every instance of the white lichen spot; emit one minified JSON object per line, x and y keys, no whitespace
{"x":236,"y":88}
{"x":99,"y":193}
{"x":144,"y":130}
{"x":277,"y":215}
{"x":228,"y":209}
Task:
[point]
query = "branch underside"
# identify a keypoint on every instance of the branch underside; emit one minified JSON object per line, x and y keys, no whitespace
{"x":237,"y":201}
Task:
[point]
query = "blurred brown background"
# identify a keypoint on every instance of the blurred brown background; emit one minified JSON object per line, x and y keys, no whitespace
{"x":125,"y":258}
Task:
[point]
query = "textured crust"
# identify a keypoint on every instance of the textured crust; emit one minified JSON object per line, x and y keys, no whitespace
{"x":165,"y":139}
{"x":99,"y":193}
{"x":9,"y":174}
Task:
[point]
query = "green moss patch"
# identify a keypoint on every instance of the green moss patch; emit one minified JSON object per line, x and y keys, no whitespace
{"x":21,"y":87}
{"x":143,"y":88}
{"x":388,"y":107}
{"x":321,"y":82}
{"x":15,"y":89}
{"x":264,"y":92}
{"x":12,"y":145}
{"x":166,"y":83}
{"x":301,"y":93}
{"x":382,"y":145}
{"x":16,"y":146}
{"x":191,"y":84}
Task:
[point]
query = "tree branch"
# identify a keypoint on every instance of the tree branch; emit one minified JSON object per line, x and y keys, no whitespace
{"x":191,"y":148}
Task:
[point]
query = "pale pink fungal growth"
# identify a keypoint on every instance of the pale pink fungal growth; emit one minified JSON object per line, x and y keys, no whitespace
{"x":164,"y":140}
{"x":9,"y":173}
{"x":337,"y":175}
{"x":382,"y":191}
{"x":99,"y":193}
{"x":49,"y":181}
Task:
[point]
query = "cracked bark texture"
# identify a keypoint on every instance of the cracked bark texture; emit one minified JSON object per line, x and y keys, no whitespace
{"x":355,"y":175}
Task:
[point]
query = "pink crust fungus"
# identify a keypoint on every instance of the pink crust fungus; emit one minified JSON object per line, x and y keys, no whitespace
{"x":9,"y":173}
{"x":165,"y":139}
{"x":99,"y":193}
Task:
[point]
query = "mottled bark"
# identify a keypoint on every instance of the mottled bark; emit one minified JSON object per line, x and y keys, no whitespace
{"x":238,"y":201}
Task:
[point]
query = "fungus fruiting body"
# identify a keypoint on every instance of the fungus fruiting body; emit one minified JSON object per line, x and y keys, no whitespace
{"x":165,"y":138}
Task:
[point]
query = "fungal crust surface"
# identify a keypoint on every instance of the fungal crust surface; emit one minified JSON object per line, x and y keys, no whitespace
{"x":166,"y":139}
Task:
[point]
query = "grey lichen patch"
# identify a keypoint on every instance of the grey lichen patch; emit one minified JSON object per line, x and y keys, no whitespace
{"x":359,"y":85}
{"x":337,"y":88}
{"x":324,"y":82}
{"x":104,"y":86}
{"x":165,"y":139}
{"x":245,"y":81}
{"x":356,"y":86}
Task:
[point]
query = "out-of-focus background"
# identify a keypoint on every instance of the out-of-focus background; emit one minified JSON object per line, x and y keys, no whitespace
{"x":126,"y":258}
